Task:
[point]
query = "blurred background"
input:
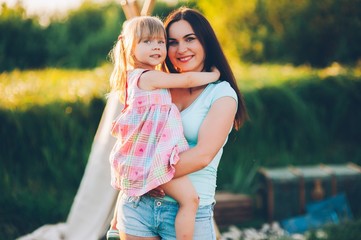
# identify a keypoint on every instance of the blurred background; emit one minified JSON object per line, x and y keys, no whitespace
{"x":298,"y":64}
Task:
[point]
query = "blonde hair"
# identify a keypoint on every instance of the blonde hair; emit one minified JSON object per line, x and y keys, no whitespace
{"x":134,"y":30}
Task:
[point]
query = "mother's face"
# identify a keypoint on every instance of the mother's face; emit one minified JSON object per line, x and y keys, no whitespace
{"x":185,"y":51}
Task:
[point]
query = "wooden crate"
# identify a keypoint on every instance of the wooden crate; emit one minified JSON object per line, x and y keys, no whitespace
{"x":232,"y":208}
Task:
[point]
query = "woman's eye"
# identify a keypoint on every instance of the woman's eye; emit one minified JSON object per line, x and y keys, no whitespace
{"x":190,"y":39}
{"x":172,"y":43}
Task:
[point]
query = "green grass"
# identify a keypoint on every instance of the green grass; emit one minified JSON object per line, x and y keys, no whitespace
{"x":253,"y":77}
{"x":23,"y":89}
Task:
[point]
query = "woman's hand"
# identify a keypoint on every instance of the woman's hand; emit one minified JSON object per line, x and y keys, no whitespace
{"x":156,"y":193}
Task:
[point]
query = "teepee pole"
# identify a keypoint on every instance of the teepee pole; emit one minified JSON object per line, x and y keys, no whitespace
{"x":148,"y":7}
{"x":130,"y":8}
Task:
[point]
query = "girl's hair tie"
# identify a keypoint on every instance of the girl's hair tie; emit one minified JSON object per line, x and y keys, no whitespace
{"x":120,"y":37}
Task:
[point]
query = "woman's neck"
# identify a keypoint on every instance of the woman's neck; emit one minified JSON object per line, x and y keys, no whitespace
{"x":184,"y":97}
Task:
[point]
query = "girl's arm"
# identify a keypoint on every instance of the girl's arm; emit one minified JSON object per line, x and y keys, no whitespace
{"x":154,"y":79}
{"x":211,"y":137}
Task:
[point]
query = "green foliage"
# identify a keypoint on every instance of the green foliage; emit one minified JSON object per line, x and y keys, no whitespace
{"x":43,"y":155}
{"x":344,"y":231}
{"x":85,"y":38}
{"x":21,"y":41}
{"x":297,"y":32}
{"x":232,"y":28}
{"x":82,"y":39}
{"x":303,"y":31}
{"x":162,"y":9}
{"x":320,"y":32}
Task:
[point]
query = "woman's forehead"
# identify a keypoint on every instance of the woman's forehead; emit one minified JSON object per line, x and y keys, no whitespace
{"x":180,"y":29}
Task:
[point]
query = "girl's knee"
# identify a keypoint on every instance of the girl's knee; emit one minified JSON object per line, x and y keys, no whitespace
{"x":191,"y":202}
{"x":196,"y":200}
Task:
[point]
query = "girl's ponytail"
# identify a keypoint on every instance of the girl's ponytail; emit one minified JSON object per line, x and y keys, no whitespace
{"x":118,"y":77}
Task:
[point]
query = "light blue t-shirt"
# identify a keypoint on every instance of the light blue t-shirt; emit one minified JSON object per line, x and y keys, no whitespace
{"x":205,"y":179}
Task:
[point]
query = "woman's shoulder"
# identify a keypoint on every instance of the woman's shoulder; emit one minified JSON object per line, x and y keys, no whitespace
{"x":221,"y":89}
{"x":220,"y":85}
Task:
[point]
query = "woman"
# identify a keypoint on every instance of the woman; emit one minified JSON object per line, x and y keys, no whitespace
{"x":208,"y":115}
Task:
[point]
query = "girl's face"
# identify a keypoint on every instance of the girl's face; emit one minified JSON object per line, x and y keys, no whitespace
{"x":150,"y":52}
{"x":185,"y":51}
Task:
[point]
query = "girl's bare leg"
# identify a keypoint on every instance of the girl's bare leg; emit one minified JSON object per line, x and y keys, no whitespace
{"x":113,"y":222}
{"x":182,"y":190}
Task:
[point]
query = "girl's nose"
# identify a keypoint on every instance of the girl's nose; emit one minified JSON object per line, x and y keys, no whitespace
{"x":155,"y":48}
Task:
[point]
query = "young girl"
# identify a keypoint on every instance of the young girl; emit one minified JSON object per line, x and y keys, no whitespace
{"x":149,"y":130}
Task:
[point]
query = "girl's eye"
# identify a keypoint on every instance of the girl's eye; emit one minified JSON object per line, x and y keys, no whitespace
{"x":147,"y":41}
{"x":161,"y":42}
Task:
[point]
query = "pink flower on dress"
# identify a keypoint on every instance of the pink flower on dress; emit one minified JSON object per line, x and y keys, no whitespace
{"x":140,"y":101}
{"x":140,"y":149}
{"x":119,"y":129}
{"x":136,"y":173}
{"x":141,"y":110}
{"x":166,"y":135}
{"x":124,"y":129}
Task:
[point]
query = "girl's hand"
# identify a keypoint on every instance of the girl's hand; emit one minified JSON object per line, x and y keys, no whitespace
{"x":216,"y":71}
{"x":156,"y":193}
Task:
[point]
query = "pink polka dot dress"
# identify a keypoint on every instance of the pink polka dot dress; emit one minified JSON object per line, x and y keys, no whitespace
{"x":149,"y":136}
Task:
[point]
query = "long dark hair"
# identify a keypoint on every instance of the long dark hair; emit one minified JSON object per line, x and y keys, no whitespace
{"x":214,"y":55}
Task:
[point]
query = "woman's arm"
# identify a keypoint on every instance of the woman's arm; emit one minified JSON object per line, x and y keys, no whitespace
{"x":154,"y":79}
{"x":211,"y":137}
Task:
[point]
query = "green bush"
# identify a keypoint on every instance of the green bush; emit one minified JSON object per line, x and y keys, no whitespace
{"x":85,"y":38}
{"x":22,"y":41}
{"x":344,"y":231}
{"x":82,"y":39}
{"x":298,"y":32}
{"x":43,"y":155}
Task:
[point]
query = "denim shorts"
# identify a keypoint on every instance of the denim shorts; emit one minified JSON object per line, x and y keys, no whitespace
{"x":154,"y":217}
